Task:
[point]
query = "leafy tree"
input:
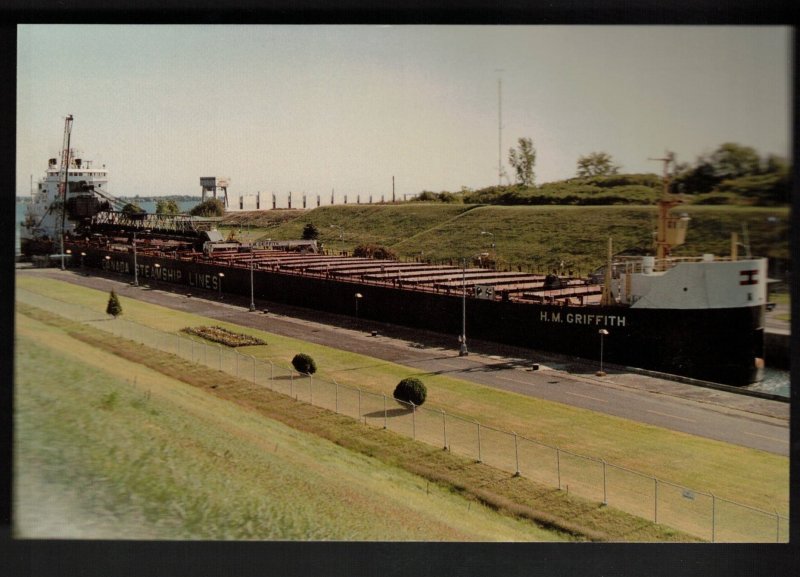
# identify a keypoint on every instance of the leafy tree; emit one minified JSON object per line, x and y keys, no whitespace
{"x":374,"y":251}
{"x":113,"y":308}
{"x":132,"y":208}
{"x":167,"y":206}
{"x":733,"y":160}
{"x":310,"y":232}
{"x":411,"y":390}
{"x":211,"y":207}
{"x":596,"y":164}
{"x":523,"y":158}
{"x":303,"y":363}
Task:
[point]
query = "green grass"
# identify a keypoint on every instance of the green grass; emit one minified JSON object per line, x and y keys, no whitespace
{"x":127,"y":452}
{"x":534,"y":238}
{"x":755,"y":478}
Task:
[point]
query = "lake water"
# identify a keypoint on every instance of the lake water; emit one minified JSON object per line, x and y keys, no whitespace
{"x":776,"y":381}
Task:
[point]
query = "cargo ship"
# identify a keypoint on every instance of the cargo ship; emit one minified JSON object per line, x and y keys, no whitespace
{"x":701,"y":318}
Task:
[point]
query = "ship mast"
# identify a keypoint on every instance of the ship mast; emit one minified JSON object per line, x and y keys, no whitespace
{"x":63,"y":178}
{"x":666,"y":203}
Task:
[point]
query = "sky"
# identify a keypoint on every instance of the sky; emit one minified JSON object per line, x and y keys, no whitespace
{"x":315,"y":109}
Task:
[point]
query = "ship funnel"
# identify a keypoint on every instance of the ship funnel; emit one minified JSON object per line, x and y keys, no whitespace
{"x":648,"y":264}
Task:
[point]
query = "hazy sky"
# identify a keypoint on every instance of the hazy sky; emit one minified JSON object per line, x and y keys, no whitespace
{"x":315,"y":108}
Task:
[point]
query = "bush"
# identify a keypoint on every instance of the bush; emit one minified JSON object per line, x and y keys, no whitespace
{"x":211,"y":207}
{"x":113,"y":307}
{"x":410,"y":390}
{"x":303,"y":363}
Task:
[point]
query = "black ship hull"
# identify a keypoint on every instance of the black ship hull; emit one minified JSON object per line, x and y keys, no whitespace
{"x":724,"y":345}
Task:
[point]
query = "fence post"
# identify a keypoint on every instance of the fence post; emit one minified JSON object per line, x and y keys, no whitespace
{"x":777,"y":527}
{"x":480,"y":459}
{"x":444,"y":428}
{"x":558,"y":468}
{"x":713,"y":518}
{"x":385,"y":421}
{"x":605,"y":491}
{"x":516,"y":455}
{"x":655,"y":502}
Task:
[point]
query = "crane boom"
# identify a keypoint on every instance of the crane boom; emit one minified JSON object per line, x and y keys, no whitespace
{"x":63,"y":177}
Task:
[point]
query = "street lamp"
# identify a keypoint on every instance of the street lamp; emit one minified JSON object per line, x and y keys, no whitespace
{"x":359,"y":296}
{"x":341,"y":233}
{"x":83,"y":254}
{"x":603,"y":333}
{"x":69,"y":253}
{"x":462,"y":339}
{"x":156,"y":272}
{"x":252,"y":293}
{"x":135,"y":267}
{"x":220,"y":275}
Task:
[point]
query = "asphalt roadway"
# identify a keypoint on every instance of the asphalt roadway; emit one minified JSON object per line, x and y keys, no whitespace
{"x":716,"y":414}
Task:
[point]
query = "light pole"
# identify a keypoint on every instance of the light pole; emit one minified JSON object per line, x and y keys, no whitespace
{"x":108,"y":262}
{"x":83,"y":254}
{"x":462,"y":351}
{"x":155,"y":272}
{"x":69,"y":253}
{"x":341,"y":233}
{"x":252,"y":292}
{"x":359,"y":296}
{"x":603,"y":333}
{"x":221,"y":276}
{"x":135,"y":267}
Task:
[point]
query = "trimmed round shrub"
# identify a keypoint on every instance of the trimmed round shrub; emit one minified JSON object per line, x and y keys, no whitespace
{"x":411,"y":390}
{"x":303,"y":363}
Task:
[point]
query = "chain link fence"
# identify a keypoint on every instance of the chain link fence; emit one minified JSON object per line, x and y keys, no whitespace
{"x":695,"y":512}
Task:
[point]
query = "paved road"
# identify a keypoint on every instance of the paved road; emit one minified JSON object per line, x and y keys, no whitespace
{"x":731,"y":417}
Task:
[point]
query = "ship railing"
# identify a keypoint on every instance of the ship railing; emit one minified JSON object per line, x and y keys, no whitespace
{"x":637,"y":264}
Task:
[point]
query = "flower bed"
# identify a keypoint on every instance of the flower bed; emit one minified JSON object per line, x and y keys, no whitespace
{"x":223,"y":336}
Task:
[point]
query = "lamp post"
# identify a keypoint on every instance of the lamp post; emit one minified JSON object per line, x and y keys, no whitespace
{"x":358,"y":296}
{"x":462,"y":351}
{"x":83,"y":254}
{"x":252,"y":292}
{"x":135,"y":264}
{"x":69,"y":253}
{"x":156,"y":272}
{"x":221,"y":276}
{"x":108,"y":261}
{"x":602,"y":333}
{"x":341,"y":233}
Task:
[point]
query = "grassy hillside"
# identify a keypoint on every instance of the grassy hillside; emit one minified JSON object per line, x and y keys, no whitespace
{"x":748,"y":476}
{"x":534,"y":238}
{"x":119,"y":450}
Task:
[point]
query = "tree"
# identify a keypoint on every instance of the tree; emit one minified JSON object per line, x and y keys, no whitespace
{"x":113,"y":307}
{"x":310,"y":232}
{"x":211,"y":207}
{"x":303,"y":363}
{"x":522,"y":159}
{"x":167,"y":206}
{"x":733,"y":160}
{"x":596,"y":164}
{"x":132,"y":208}
{"x":410,"y":390}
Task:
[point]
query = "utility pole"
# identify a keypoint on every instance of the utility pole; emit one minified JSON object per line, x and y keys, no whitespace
{"x":499,"y":127}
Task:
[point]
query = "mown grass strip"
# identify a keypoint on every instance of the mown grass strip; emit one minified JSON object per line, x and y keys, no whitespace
{"x":513,"y":495}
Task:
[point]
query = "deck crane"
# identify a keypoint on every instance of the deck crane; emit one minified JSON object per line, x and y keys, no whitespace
{"x":63,"y":179}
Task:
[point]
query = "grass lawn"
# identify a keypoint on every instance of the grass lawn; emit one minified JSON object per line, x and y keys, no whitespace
{"x":109,"y":448}
{"x":748,"y":476}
